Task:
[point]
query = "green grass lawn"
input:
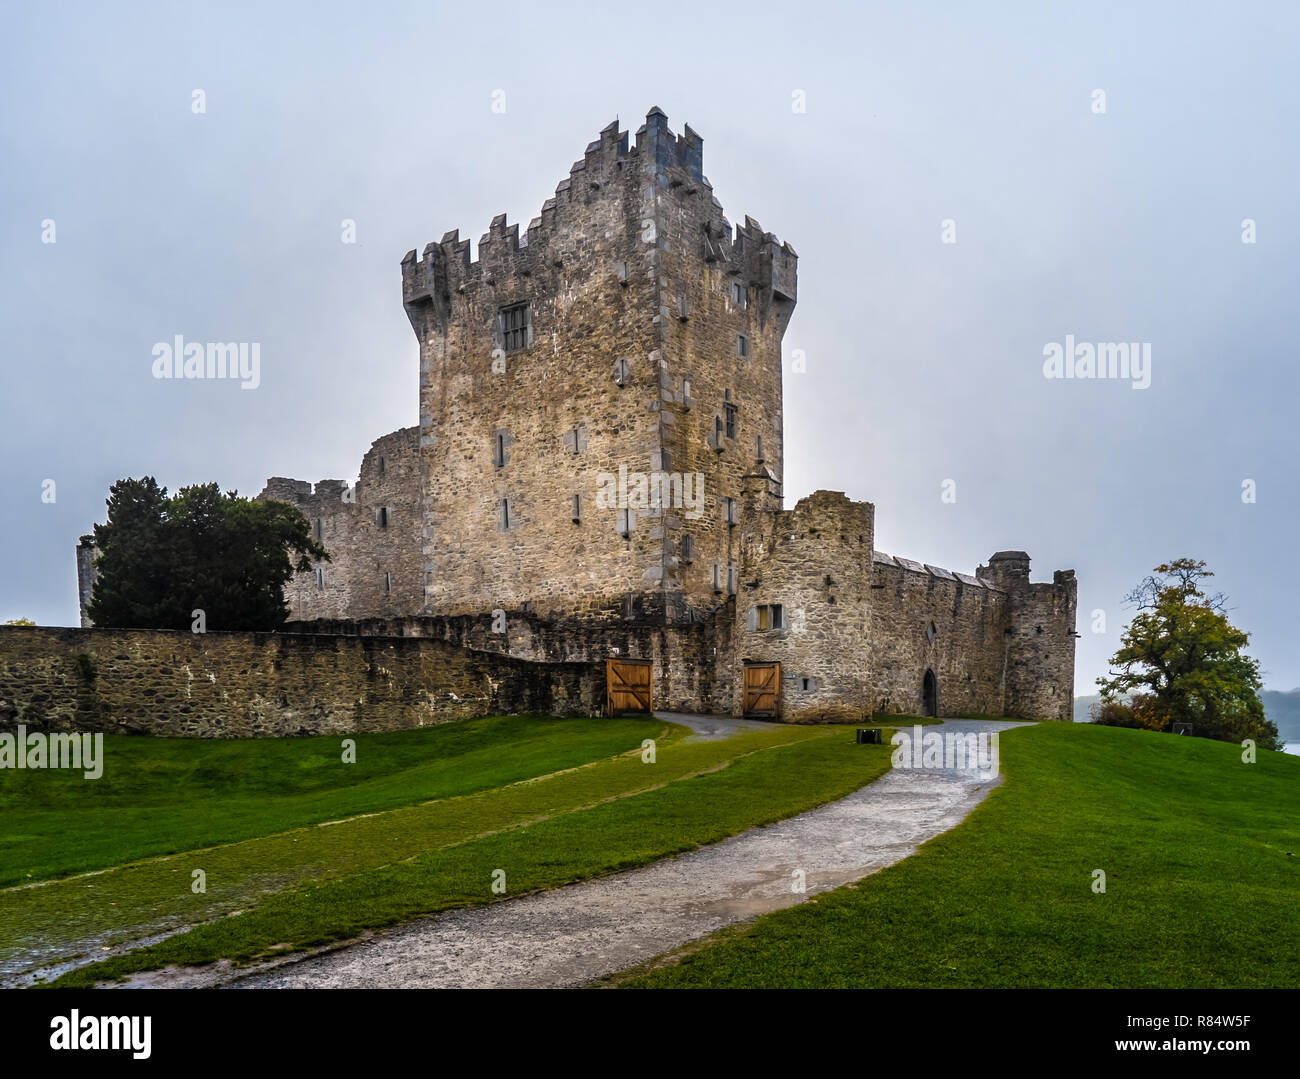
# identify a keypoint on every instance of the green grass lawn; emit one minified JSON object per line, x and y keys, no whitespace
{"x":160,"y":795}
{"x":1202,"y":860}
{"x":586,"y":804}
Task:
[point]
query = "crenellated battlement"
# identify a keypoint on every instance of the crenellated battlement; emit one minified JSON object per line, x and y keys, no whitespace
{"x":608,"y":185}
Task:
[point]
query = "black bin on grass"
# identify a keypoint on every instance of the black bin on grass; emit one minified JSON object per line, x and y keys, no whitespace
{"x":869,"y":736}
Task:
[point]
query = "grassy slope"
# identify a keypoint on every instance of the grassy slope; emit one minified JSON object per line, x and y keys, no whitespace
{"x":578,"y":840}
{"x":1201,"y":853}
{"x":127,"y":902}
{"x":160,"y":795}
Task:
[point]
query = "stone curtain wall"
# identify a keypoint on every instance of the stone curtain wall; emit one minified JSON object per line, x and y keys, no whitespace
{"x":967,"y":650}
{"x":227,"y":685}
{"x":691,"y":660}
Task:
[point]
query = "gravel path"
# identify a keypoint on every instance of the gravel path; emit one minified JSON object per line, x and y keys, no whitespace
{"x":573,"y":935}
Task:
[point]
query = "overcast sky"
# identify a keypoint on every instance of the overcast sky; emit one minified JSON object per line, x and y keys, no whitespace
{"x":924,"y":358}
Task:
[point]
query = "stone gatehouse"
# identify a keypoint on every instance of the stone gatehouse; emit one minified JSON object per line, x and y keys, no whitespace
{"x":597,"y":472}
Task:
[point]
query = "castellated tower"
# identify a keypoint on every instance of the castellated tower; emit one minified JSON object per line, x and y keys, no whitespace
{"x":594,"y":393}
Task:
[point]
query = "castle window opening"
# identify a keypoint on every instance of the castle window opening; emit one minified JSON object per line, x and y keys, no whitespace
{"x":381,"y":465}
{"x":688,"y":548}
{"x":931,"y":632}
{"x":742,"y":345}
{"x":505,"y":514}
{"x":388,"y":583}
{"x":320,"y":578}
{"x":770,"y":617}
{"x":729,"y":510}
{"x":499,"y":450}
{"x":577,"y":508}
{"x":383,"y":516}
{"x":730,"y":411}
{"x":516,"y":327}
{"x":739,"y":294}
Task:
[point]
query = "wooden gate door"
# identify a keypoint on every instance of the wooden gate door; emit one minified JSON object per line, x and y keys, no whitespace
{"x":627,"y":687}
{"x":763,"y":690}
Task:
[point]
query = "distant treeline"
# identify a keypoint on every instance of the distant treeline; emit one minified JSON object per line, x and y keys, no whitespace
{"x":1282,"y":708}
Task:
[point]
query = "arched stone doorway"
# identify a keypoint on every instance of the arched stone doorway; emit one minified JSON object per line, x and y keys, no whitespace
{"x":929,"y":695}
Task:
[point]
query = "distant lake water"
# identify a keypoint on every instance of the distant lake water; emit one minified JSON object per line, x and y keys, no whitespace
{"x":1293,"y":747}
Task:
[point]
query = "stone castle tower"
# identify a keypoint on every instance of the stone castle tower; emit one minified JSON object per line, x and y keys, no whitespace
{"x":628,"y":333}
{"x":597,"y":472}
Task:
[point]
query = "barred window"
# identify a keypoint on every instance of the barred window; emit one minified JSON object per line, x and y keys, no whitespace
{"x":515,"y":328}
{"x":730,"y":411}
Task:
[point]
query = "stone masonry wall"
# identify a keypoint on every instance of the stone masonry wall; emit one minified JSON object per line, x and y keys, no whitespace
{"x":927,"y":618}
{"x":815,"y":562}
{"x":226,"y":685}
{"x":371,"y":531}
{"x":1040,"y":634}
{"x":691,"y":660}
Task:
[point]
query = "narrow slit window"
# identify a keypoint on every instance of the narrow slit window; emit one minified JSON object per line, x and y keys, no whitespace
{"x":742,"y":345}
